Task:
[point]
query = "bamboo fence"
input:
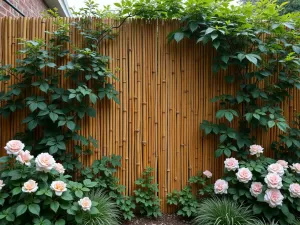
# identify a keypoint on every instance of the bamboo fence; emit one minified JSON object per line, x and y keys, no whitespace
{"x":165,"y":91}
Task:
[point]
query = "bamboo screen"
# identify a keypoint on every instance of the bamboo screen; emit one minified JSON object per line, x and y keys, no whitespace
{"x":165,"y":91}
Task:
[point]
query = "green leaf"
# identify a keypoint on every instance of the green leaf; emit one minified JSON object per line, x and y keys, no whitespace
{"x":51,"y":64}
{"x":178,"y":36}
{"x":21,"y":209}
{"x":229,"y":116}
{"x":53,"y":116}
{"x":252,"y":59}
{"x":60,"y":222}
{"x":193,"y":26}
{"x":16,"y":190}
{"x":54,"y":206}
{"x":71,"y":125}
{"x":271,"y":123}
{"x":34,"y":209}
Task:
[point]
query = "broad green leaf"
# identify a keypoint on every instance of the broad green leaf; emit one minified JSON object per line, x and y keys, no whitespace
{"x":21,"y":209}
{"x":34,"y":209}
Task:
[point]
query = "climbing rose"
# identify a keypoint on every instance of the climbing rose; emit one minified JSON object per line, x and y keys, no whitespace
{"x":59,"y":168}
{"x":85,"y":203}
{"x":30,"y":186}
{"x":244,"y":175}
{"x":273,"y":180}
{"x":207,"y":173}
{"x":44,"y":162}
{"x":256,"y":189}
{"x":256,"y":150}
{"x":273,"y":197}
{"x":1,"y":184}
{"x":24,"y":157}
{"x":221,"y":186}
{"x":59,"y":187}
{"x":294,"y":190}
{"x":284,"y":163}
{"x":276,"y":168}
{"x":13,"y":147}
{"x":231,"y":164}
{"x":296,"y":167}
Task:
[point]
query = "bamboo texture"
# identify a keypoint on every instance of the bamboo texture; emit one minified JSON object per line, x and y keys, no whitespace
{"x":165,"y":91}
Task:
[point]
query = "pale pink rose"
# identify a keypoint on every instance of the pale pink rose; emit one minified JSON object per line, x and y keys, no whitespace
{"x":13,"y":147}
{"x":59,"y":187}
{"x":59,"y":168}
{"x":273,"y":180}
{"x":24,"y":157}
{"x":273,"y":197}
{"x":30,"y":186}
{"x":244,"y":175}
{"x":256,"y":189}
{"x":1,"y":184}
{"x":284,"y":163}
{"x":294,"y":190}
{"x":256,"y":150}
{"x":296,"y":167}
{"x":207,"y":173}
{"x":276,"y":168}
{"x":221,"y":186}
{"x":231,"y":164}
{"x":44,"y":162}
{"x":85,"y":203}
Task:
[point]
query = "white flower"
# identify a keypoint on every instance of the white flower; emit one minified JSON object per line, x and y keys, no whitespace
{"x":273,"y":180}
{"x":221,"y":186}
{"x":284,"y":163}
{"x":256,"y":150}
{"x":231,"y":164}
{"x":44,"y":162}
{"x":244,"y":175}
{"x":85,"y":203}
{"x":207,"y":173}
{"x":273,"y":197}
{"x":59,"y":187}
{"x":59,"y":168}
{"x":30,"y":186}
{"x":294,"y":190}
{"x":13,"y":147}
{"x":296,"y":167}
{"x":276,"y":168}
{"x":256,"y":189}
{"x":24,"y":157}
{"x":1,"y":184}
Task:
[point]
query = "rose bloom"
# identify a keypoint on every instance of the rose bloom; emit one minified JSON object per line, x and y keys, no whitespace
{"x":59,"y":168}
{"x":85,"y":203}
{"x":256,"y":189}
{"x":59,"y":187}
{"x":44,"y":162}
{"x":13,"y":147}
{"x":296,"y":167}
{"x":284,"y":163}
{"x":221,"y":186}
{"x":256,"y":150}
{"x":273,"y":197}
{"x":30,"y":186}
{"x":231,"y":164}
{"x":207,"y":173}
{"x":294,"y":190}
{"x":276,"y":168}
{"x":273,"y":180}
{"x":24,"y":157}
{"x":244,"y":175}
{"x":1,"y":184}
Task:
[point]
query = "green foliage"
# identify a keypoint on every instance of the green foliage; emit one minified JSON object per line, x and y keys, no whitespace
{"x":185,"y":200}
{"x":213,"y":211}
{"x":145,"y":195}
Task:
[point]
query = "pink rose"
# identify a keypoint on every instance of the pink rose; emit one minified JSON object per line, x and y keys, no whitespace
{"x":221,"y":186}
{"x":244,"y":175}
{"x":273,"y":180}
{"x":1,"y":184}
{"x":59,"y":168}
{"x":294,"y":190}
{"x":256,"y":189}
{"x":207,"y":173}
{"x":85,"y":203}
{"x":30,"y":186}
{"x":24,"y":157}
{"x":256,"y":150}
{"x":231,"y":164}
{"x":59,"y":187}
{"x":276,"y":168}
{"x":13,"y":147}
{"x":296,"y":167}
{"x":273,"y":197}
{"x":284,"y":163}
{"x":44,"y":162}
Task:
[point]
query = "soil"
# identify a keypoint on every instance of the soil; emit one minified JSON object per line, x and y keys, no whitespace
{"x":166,"y":219}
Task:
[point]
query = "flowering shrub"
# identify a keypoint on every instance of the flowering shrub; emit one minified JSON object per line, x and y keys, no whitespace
{"x":272,"y":188}
{"x":38,"y":192}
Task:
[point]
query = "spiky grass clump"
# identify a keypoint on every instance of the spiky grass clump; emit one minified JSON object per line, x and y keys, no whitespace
{"x":108,"y":210}
{"x":216,"y":211}
{"x":262,"y":222}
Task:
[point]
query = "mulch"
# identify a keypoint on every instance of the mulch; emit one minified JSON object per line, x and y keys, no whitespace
{"x":166,"y":219}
